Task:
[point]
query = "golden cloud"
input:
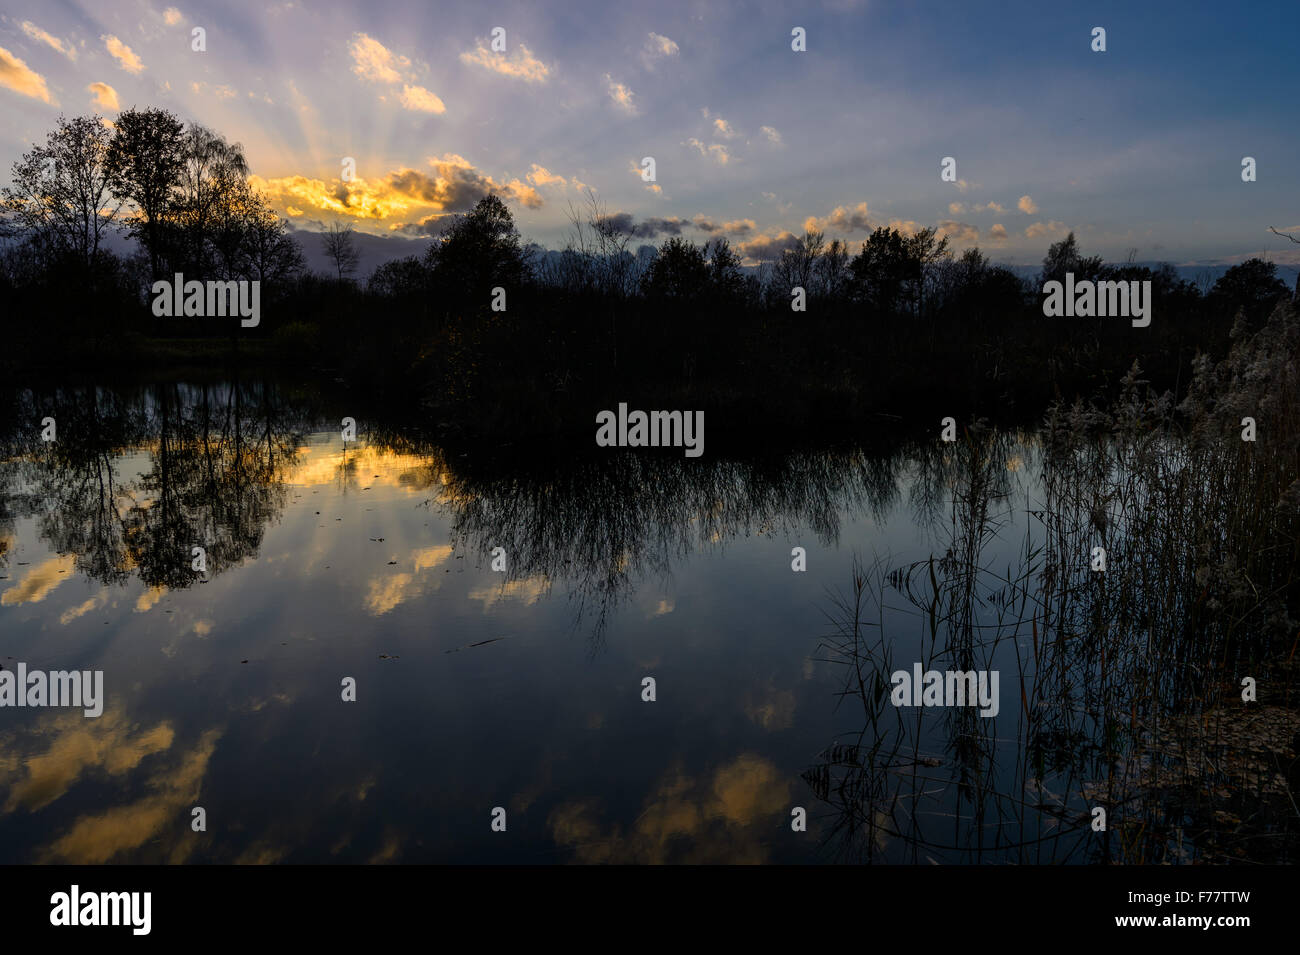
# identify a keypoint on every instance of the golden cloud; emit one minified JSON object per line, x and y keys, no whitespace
{"x":841,"y":219}
{"x":453,"y":185}
{"x":373,"y":61}
{"x":36,"y":33}
{"x":419,"y":100}
{"x":622,"y":96}
{"x":39,"y":581}
{"x":765,"y":247}
{"x":81,"y":610}
{"x":97,"y":838}
{"x":17,"y":76}
{"x":519,"y":64}
{"x":125,"y":57}
{"x":78,"y":746}
{"x":718,"y":820}
{"x":105,"y":96}
{"x":1027,"y":205}
{"x":541,"y":176}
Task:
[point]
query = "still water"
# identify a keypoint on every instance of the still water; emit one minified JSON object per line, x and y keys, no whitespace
{"x":478,"y":688}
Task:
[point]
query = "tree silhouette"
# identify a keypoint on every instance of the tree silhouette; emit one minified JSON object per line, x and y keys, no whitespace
{"x":60,"y":193}
{"x":145,"y":160}
{"x":341,"y":247}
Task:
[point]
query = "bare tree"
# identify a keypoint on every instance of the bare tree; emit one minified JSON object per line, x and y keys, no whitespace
{"x":60,"y":193}
{"x":212,"y":177}
{"x":1296,"y":297}
{"x":340,"y":246}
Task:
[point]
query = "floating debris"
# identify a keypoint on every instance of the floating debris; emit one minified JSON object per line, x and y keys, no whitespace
{"x":469,"y":645}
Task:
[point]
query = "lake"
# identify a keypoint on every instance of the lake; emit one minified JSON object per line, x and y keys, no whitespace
{"x":522,"y":688}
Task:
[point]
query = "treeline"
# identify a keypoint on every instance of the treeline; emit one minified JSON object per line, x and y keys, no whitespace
{"x":899,"y":327}
{"x":901,"y":324}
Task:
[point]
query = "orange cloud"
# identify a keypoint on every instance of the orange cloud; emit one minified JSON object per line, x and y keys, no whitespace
{"x":841,"y":219}
{"x":124,"y":55}
{"x":1038,"y":229}
{"x":453,"y":185}
{"x":36,"y":33}
{"x":418,"y":99}
{"x":622,"y":96}
{"x":958,"y":231}
{"x":373,"y":61}
{"x":105,"y":96}
{"x":17,"y":76}
{"x":519,"y":64}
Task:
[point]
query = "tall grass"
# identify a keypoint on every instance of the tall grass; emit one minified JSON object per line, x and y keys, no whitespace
{"x":1128,"y":682}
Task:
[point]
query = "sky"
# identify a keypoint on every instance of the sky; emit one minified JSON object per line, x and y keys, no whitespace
{"x":1139,"y":147}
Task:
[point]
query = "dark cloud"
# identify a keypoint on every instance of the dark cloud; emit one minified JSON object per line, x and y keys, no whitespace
{"x":625,"y":223}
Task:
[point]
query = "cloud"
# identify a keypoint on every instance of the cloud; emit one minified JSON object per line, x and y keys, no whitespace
{"x":841,"y":219}
{"x":715,"y":151}
{"x":72,"y":613}
{"x":520,"y":64}
{"x":1037,"y":230}
{"x":772,"y":135}
{"x":736,"y":227}
{"x":625,"y":223}
{"x":16,"y":75}
{"x":991,"y":207}
{"x":958,"y":231}
{"x":1027,"y":206}
{"x":905,"y":226}
{"x":404,"y":199}
{"x":37,"y":584}
{"x":419,"y":100}
{"x":171,"y":16}
{"x":723,"y":128}
{"x":766,"y":247}
{"x":718,"y":819}
{"x":373,"y":61}
{"x":63,"y":749}
{"x":36,"y":33}
{"x":956,"y":208}
{"x":622,"y":96}
{"x":220,"y":92}
{"x":541,"y":176}
{"x":105,"y":96}
{"x":529,"y":590}
{"x":998,"y":233}
{"x":657,"y":48}
{"x":125,"y":57}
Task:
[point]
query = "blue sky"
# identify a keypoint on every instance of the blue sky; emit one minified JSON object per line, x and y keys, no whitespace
{"x":1139,"y":147}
